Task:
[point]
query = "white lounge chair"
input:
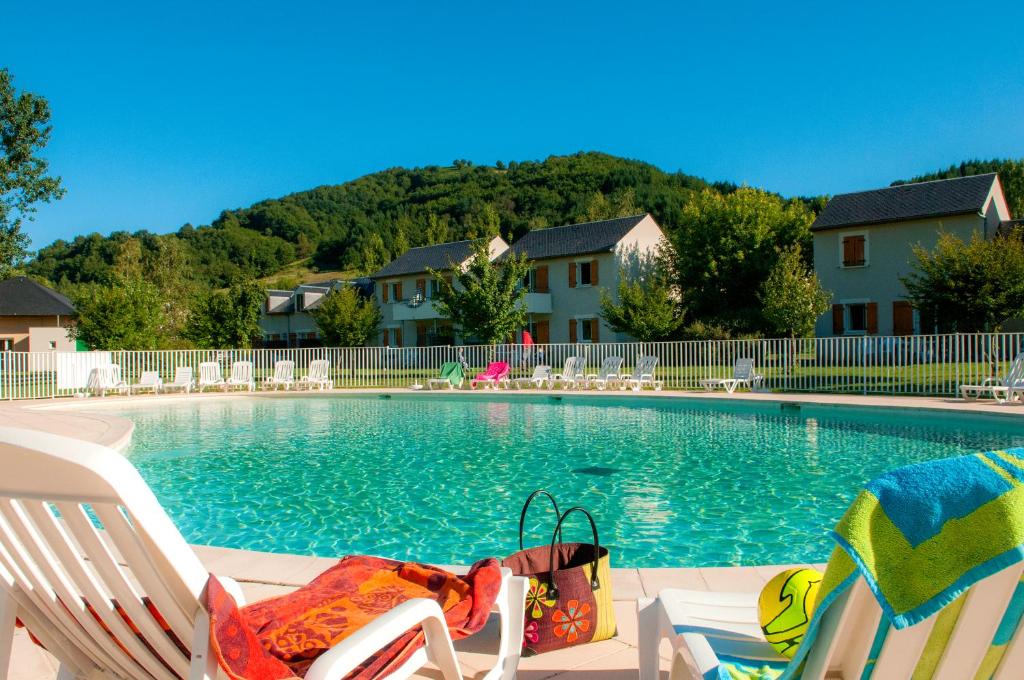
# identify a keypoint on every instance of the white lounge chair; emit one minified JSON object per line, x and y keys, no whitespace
{"x":183,"y":380}
{"x":209,"y":375}
{"x":284,"y":376}
{"x":318,"y":376}
{"x":541,"y":377}
{"x":149,"y":380}
{"x":607,"y":375}
{"x":103,"y":379}
{"x":1005,"y":389}
{"x":571,"y":375}
{"x":241,"y":376}
{"x":643,"y":374}
{"x":743,"y":373}
{"x":61,"y":572}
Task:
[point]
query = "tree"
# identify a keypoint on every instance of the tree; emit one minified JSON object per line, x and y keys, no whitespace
{"x":791,"y":297}
{"x":648,"y":308}
{"x":724,"y":247}
{"x":346,"y":318}
{"x":968,"y":287}
{"x":489,"y":303}
{"x":24,"y":131}
{"x":126,"y":314}
{"x":227,"y":319}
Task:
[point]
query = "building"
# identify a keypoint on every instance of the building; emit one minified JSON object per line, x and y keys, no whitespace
{"x":572,"y":265}
{"x":405,"y":292}
{"x":286,"y":320}
{"x":863,"y":246}
{"x":34,"y":318}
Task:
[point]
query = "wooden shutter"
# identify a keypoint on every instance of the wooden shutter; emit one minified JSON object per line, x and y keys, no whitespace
{"x":572,"y":274}
{"x":398,"y":291}
{"x":593,"y":272}
{"x":540,"y":279}
{"x":384,"y":293}
{"x":421,"y":286}
{"x":398,"y":337}
{"x":837,"y":319}
{"x":872,"y":318}
{"x":902,"y":318}
{"x":594,"y":333}
{"x":853,"y":251}
{"x":543,"y":330}
{"x":384,"y":338}
{"x":572,"y":330}
{"x":421,"y":333}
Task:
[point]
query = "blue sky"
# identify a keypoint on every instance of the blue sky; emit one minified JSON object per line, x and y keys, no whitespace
{"x":165,"y":114}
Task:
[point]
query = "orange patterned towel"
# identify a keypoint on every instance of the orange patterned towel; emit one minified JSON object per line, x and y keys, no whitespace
{"x":281,"y":637}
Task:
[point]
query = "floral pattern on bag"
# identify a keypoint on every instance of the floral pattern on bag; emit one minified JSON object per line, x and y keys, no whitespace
{"x":570,"y":623}
{"x":537,"y":596}
{"x":531,"y":633}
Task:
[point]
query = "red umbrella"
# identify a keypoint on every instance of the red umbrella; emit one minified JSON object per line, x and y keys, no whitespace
{"x":527,"y":338}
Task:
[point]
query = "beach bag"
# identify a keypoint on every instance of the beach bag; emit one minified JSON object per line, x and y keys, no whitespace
{"x":569,"y":601}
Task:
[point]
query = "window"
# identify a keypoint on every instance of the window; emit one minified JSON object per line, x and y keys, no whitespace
{"x":586,"y":330}
{"x":433,"y":289}
{"x":530,"y":281}
{"x":53,"y":344}
{"x":857,"y":318}
{"x":584,"y":273}
{"x":854,"y":250}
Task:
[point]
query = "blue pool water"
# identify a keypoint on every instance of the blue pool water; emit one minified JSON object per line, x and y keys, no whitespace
{"x":442,"y":478}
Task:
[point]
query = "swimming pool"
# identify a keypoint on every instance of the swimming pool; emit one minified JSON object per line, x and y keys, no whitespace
{"x":441,"y":478}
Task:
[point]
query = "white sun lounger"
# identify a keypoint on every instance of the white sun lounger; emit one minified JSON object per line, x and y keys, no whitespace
{"x":182,"y":380}
{"x":571,"y":375}
{"x":318,"y":376}
{"x":241,"y":376}
{"x":103,"y":379}
{"x":606,"y":375}
{"x":81,"y":529}
{"x":209,"y":375}
{"x":284,"y":375}
{"x":149,"y":380}
{"x":743,"y":373}
{"x":1005,"y":389}
{"x":643,"y":374}
{"x":541,"y":377}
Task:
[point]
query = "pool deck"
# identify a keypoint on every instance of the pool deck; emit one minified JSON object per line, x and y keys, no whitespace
{"x":263,"y":575}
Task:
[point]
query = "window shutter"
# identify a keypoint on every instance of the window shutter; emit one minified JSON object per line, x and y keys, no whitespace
{"x":398,"y":337}
{"x":540,"y":279}
{"x":398,"y":291}
{"x":594,"y":333}
{"x":902,"y":318}
{"x":384,"y":338}
{"x":837,"y":319}
{"x":572,"y":274}
{"x":593,"y":272}
{"x":384,"y":293}
{"x":847,"y":251}
{"x":543,"y":332}
{"x":872,"y":318}
{"x":421,"y":286}
{"x":572,"y":330}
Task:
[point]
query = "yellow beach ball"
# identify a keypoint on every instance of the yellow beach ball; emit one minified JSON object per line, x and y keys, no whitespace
{"x":785,"y":608}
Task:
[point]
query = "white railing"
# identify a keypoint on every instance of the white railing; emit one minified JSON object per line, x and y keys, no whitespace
{"x":910,"y":365}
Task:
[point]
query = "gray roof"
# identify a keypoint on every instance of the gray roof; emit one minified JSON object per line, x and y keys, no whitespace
{"x":417,"y":260}
{"x":574,"y":239}
{"x":21,"y":296}
{"x":957,"y":196}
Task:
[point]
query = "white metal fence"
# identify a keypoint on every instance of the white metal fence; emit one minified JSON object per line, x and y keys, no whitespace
{"x":907,"y":365}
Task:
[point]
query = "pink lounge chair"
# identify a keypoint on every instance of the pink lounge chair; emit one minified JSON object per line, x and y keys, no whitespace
{"x":495,"y":375}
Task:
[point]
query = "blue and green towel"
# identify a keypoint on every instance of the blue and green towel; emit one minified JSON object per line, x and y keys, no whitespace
{"x":921,"y":536}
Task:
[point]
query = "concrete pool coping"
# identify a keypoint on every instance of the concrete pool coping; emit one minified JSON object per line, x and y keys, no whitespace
{"x":266,"y":574}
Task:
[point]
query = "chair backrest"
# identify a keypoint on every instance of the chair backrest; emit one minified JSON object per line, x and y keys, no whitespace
{"x":541,"y":372}
{"x":744,"y":369}
{"x":569,"y":368}
{"x":149,"y":378}
{"x":1015,"y":374}
{"x":500,"y":369}
{"x":241,"y":371}
{"x":71,"y":514}
{"x":610,"y":367}
{"x":645,"y":366}
{"x":182,"y":375}
{"x":852,"y":624}
{"x":318,"y":369}
{"x":284,"y":370}
{"x":103,"y":377}
{"x":209,"y":372}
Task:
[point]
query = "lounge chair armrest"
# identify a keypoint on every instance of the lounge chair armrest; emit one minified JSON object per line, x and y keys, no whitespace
{"x":232,"y":588}
{"x":340,"y":660}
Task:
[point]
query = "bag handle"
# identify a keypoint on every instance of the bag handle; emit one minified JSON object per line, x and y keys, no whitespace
{"x":594,"y":583}
{"x":526,"y":506}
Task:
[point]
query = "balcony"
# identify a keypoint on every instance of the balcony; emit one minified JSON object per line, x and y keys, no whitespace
{"x":403,"y":311}
{"x":538,"y":303}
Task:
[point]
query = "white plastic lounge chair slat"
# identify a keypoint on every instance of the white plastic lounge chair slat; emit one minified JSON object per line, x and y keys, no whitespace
{"x":978,"y":621}
{"x":902,"y":650}
{"x":1013,"y":659}
{"x":83,"y":581}
{"x":846,"y":635}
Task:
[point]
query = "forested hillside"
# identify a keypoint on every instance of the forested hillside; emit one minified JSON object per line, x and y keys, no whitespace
{"x":362,"y":224}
